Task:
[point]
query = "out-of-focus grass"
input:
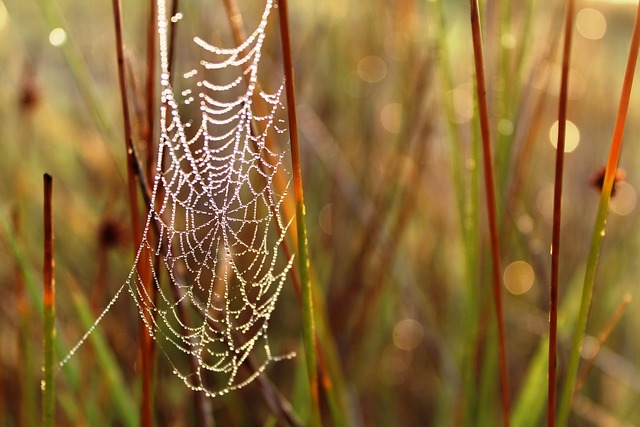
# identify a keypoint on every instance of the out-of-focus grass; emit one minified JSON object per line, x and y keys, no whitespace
{"x":398,"y":245}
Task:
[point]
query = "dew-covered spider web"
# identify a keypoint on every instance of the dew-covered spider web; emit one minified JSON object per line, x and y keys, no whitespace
{"x":214,"y":233}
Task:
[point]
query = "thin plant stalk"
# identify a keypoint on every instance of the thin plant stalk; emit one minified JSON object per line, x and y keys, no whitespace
{"x":599,"y":228}
{"x":150,"y":88}
{"x":146,"y":342}
{"x":491,"y":205}
{"x":48,"y":385}
{"x":309,"y":334}
{"x":557,"y":217}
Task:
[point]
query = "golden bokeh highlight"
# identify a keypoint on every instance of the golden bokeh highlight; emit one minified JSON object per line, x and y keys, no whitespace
{"x":591,"y":23}
{"x":57,"y":37}
{"x":572,"y":136}
{"x":391,"y":117}
{"x":518,"y":277}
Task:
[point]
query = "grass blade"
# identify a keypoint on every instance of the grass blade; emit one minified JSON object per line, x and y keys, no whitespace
{"x":599,"y":228}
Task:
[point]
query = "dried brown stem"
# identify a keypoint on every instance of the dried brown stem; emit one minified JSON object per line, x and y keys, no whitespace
{"x":146,"y":342}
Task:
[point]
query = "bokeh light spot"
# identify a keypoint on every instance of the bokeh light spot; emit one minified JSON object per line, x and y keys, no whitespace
{"x":591,"y":23}
{"x":57,"y":37}
{"x":518,"y":277}
{"x":625,"y":199}
{"x":544,"y":202}
{"x":407,"y":334}
{"x":572,"y":136}
{"x":525,"y":224}
{"x":372,"y":69}
{"x":505,"y":127}
{"x":391,"y":117}
{"x":590,"y":347}
{"x":462,"y":104}
{"x":508,"y":41}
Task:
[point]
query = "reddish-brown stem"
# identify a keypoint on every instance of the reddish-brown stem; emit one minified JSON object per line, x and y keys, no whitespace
{"x":146,"y":342}
{"x":48,"y":399}
{"x":152,"y":36}
{"x":491,"y":204}
{"x":557,"y":217}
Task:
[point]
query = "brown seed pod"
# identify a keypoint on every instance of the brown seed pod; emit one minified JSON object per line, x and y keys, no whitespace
{"x":597,"y":179}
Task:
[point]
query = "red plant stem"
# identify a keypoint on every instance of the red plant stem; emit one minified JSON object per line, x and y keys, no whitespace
{"x":152,"y":36}
{"x":491,"y":205}
{"x":48,"y":400}
{"x":146,"y":343}
{"x":557,"y":217}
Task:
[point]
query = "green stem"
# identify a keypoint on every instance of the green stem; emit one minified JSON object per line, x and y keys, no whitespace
{"x":309,"y":333}
{"x":599,"y":228}
{"x":49,"y":332}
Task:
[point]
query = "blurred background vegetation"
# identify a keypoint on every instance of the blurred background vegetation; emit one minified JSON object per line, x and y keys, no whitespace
{"x":397,"y":228}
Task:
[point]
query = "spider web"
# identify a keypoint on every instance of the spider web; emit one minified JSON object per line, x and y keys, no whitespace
{"x":214,"y":228}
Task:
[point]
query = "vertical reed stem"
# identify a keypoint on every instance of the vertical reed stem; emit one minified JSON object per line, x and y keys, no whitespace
{"x":309,"y":333}
{"x":48,"y":383}
{"x":491,"y":205}
{"x":146,"y":343}
{"x":557,"y":217}
{"x":599,"y":227}
{"x":150,"y":89}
